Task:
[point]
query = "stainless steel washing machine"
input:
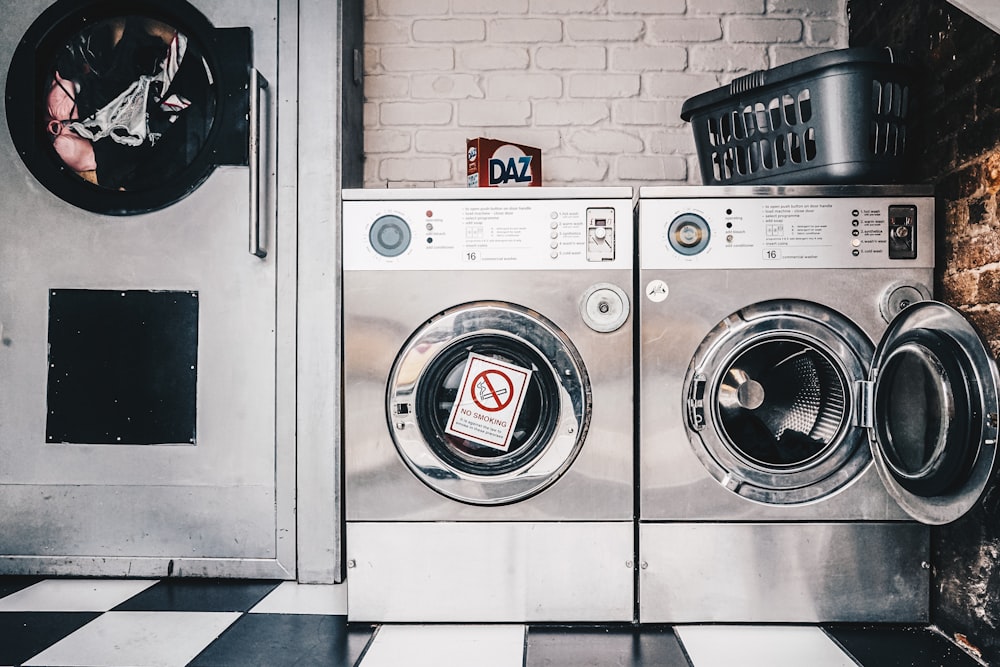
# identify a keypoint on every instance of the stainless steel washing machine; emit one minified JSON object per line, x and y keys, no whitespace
{"x":488,"y":404}
{"x":804,"y":408}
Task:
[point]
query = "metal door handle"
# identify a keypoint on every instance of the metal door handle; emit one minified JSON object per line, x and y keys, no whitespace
{"x":257,"y":85}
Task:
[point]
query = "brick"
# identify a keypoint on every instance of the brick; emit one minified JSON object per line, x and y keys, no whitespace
{"x":490,"y":7}
{"x":575,"y":114}
{"x":546,"y":139}
{"x":686,"y":84}
{"x":574,"y":170}
{"x":711,"y":58}
{"x":671,"y":142}
{"x":605,"y":141}
{"x":642,"y":168}
{"x":571,"y":57}
{"x":372,"y":59}
{"x":959,"y":287}
{"x":763,"y":31}
{"x":635,"y":112}
{"x":443,"y":31}
{"x":672,"y":112}
{"x":675,"y":30}
{"x":717,"y":7}
{"x":446,"y":141}
{"x":370,"y":113}
{"x":567,"y":7}
{"x":833,"y":8}
{"x":417,"y":59}
{"x":604,"y":30}
{"x":647,"y":7}
{"x":524,"y":86}
{"x":386,"y":86}
{"x":449,"y":85}
{"x":532,"y":31}
{"x":402,"y":169}
{"x":387,"y":32}
{"x":605,"y":86}
{"x":486,"y":58}
{"x":421,"y":8}
{"x":387,"y":141}
{"x":415,"y":113}
{"x":826,"y":33}
{"x":786,"y":54}
{"x":988,"y":286}
{"x":648,"y":58}
{"x":493,"y":112}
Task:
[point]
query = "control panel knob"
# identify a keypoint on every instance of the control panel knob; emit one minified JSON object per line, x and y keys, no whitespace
{"x":900,"y":296}
{"x":688,"y":234}
{"x":389,"y":235}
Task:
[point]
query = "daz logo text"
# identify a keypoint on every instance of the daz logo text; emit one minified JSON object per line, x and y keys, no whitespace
{"x":510,"y":166}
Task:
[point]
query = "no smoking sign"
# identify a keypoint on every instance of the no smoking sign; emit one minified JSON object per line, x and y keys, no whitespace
{"x":489,"y":401}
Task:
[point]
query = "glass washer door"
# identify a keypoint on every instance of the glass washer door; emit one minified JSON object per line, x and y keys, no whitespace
{"x":933,"y":429}
{"x":549,"y":429}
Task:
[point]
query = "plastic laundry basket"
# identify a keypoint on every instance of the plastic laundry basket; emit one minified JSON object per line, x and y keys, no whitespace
{"x":837,"y":117}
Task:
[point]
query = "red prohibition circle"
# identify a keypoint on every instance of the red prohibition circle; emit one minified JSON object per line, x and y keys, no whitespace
{"x":491,"y":392}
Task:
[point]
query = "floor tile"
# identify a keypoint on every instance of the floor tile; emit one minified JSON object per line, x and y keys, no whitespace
{"x":760,"y":646}
{"x":898,"y":646}
{"x":74,"y":594}
{"x":137,"y":639}
{"x":446,"y":646}
{"x":294,"y":598}
{"x":12,"y":584}
{"x":600,"y":646}
{"x":27,"y":634}
{"x":200,"y":595}
{"x":266,"y":640}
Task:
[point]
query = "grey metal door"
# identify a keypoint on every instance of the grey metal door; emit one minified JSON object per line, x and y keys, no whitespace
{"x":139,"y":303}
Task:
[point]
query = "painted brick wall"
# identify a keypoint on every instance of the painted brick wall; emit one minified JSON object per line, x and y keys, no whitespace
{"x":596,"y":84}
{"x":956,"y":142}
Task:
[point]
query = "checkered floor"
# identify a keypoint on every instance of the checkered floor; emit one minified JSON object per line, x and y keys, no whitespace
{"x":135,"y":623}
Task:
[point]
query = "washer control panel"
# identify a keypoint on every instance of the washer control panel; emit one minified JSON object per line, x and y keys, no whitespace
{"x":786,"y":232}
{"x":488,"y":234}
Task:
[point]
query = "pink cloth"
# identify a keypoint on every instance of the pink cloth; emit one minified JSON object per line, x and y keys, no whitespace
{"x":75,"y":151}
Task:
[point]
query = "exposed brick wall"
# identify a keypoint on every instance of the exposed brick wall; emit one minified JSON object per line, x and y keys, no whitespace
{"x":596,"y":84}
{"x":956,"y":142}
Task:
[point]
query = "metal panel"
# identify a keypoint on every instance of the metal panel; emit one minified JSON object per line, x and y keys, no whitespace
{"x":232,"y":494}
{"x":788,"y":572}
{"x":490,"y":572}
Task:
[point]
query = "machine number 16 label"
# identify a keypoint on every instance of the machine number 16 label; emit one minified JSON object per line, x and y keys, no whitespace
{"x":489,"y":401}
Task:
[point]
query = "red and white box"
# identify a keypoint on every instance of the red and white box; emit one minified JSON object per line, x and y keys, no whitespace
{"x":501,"y":164}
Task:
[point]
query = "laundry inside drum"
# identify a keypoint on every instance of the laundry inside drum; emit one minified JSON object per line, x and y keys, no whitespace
{"x":130,"y":102}
{"x":781,"y":403}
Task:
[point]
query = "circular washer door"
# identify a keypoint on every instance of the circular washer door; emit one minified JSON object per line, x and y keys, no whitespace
{"x":934,"y":412}
{"x":126,"y":107}
{"x":488,"y":403}
{"x":769,"y":404}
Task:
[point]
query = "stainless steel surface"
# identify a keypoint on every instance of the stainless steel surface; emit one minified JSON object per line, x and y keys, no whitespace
{"x":731,"y":529}
{"x":258,"y":86}
{"x":500,"y":273}
{"x":489,"y":572}
{"x":225,"y":506}
{"x":783,"y":572}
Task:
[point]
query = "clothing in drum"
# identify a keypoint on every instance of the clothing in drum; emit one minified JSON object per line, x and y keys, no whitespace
{"x":488,"y":403}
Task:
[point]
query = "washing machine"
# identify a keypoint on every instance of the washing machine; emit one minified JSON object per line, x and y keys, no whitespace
{"x":488,"y":438}
{"x":805,"y":409}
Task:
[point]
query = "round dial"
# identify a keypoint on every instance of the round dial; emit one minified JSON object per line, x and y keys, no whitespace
{"x":688,"y":234}
{"x":389,"y":235}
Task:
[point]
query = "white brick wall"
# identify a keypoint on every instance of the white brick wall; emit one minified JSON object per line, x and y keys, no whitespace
{"x":596,"y":84}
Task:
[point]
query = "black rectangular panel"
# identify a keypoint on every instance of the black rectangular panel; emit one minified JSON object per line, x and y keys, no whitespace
{"x":123,"y":366}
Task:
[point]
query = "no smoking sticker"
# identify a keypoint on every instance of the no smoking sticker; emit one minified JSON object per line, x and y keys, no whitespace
{"x":489,"y":401}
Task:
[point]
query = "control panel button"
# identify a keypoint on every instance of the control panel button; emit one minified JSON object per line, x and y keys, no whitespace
{"x":389,"y":236}
{"x":600,"y":234}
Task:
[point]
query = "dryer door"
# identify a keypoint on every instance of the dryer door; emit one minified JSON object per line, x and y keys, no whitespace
{"x":933,"y":417}
{"x":488,"y":403}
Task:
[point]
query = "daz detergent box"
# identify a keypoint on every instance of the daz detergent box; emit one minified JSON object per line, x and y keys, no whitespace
{"x":498,"y":164}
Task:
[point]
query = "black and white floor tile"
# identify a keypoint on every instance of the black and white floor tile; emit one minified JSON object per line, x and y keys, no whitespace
{"x":219,"y":623}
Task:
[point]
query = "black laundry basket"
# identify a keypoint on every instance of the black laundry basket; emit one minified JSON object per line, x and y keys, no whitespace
{"x":837,"y":117}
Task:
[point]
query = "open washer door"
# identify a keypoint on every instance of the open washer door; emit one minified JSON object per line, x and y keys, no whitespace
{"x":931,"y":411}
{"x":488,"y":403}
